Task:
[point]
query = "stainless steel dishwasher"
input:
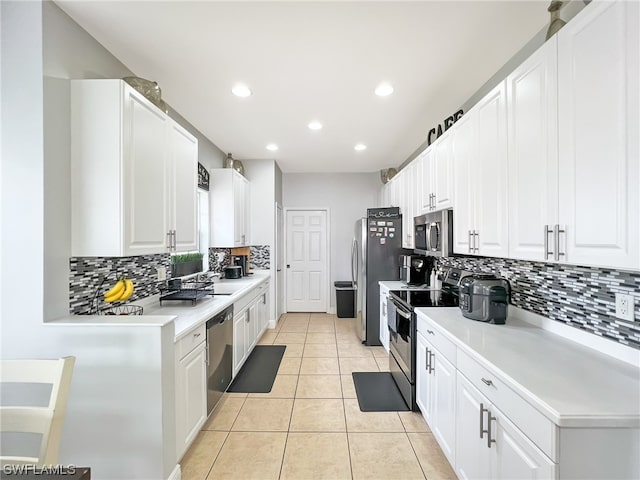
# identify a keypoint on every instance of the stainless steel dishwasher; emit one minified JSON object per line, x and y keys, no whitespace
{"x":219,"y":356}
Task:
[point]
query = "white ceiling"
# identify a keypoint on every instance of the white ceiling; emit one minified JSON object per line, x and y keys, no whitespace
{"x":314,"y":61}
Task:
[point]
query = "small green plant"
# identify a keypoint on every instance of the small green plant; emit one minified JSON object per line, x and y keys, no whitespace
{"x":186,"y":257}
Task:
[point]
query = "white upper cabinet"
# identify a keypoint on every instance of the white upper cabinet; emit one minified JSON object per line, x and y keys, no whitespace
{"x":184,"y":176}
{"x":126,"y":198}
{"x":229,"y":197}
{"x":436,"y":175}
{"x":599,"y":111}
{"x":465,"y":155}
{"x":533,"y":155}
{"x":490,"y":176}
{"x":480,"y":181}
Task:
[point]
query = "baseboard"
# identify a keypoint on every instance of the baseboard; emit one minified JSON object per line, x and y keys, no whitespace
{"x":176,"y":474}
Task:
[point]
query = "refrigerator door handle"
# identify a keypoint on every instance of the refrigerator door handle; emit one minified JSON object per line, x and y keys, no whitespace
{"x":354,"y":260}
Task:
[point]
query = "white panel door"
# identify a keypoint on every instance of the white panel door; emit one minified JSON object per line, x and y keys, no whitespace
{"x":426,"y":171}
{"x":307,"y":261}
{"x":532,"y":91}
{"x":442,"y":173}
{"x":279,"y":262}
{"x":491,"y":175}
{"x":239,"y":187}
{"x":444,"y":403}
{"x":424,"y":380}
{"x":145,"y":178}
{"x":599,"y":111}
{"x":183,"y":186}
{"x":191,"y":397}
{"x":473,"y":460}
{"x":465,"y":155}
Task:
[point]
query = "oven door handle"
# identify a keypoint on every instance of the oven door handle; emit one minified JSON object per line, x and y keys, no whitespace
{"x":403,"y":314}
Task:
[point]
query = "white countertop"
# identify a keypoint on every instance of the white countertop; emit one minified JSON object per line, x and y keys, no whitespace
{"x":571,"y":384}
{"x":188,"y":316}
{"x":185,"y":315}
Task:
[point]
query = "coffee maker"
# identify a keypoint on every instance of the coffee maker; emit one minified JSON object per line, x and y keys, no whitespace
{"x":241,"y":261}
{"x":415,"y":269}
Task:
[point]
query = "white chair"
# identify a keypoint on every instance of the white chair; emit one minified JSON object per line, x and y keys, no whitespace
{"x":47,"y":420}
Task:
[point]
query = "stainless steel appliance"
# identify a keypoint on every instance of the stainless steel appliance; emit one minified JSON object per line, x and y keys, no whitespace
{"x":434,"y":233}
{"x":484,"y":297}
{"x":374,"y":256}
{"x":233,"y":272}
{"x":241,"y":261}
{"x":219,"y":356}
{"x":402,"y":329}
{"x":415,"y":269}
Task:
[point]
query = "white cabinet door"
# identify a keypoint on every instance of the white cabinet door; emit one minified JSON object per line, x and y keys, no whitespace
{"x":533,"y":154}
{"x":407,"y":207}
{"x":191,"y":397}
{"x":183,"y":180}
{"x":472,"y":458}
{"x":465,"y":154}
{"x":514,"y":456}
{"x":491,"y":180}
{"x":229,"y":207}
{"x":384,"y":328}
{"x":145,"y":164}
{"x":444,"y":403}
{"x":442,"y":173}
{"x":394,"y":191}
{"x":599,"y":111}
{"x":424,"y":381}
{"x":253,"y":325}
{"x":426,"y":172}
{"x":239,"y":340}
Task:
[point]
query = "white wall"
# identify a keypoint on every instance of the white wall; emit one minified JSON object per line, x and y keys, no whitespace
{"x":347,"y":195}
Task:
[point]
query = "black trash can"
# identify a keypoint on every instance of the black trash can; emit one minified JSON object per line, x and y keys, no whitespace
{"x":345,"y":299}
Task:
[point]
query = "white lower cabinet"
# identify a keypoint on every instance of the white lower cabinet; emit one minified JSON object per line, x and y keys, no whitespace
{"x":250,"y":319}
{"x":488,"y":445}
{"x":191,"y":389}
{"x":384,"y":319}
{"x":436,"y":394}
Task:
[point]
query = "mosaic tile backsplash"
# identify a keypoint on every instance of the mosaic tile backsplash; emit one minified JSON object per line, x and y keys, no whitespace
{"x":582,"y":297}
{"x":259,"y":258}
{"x":87,"y":273}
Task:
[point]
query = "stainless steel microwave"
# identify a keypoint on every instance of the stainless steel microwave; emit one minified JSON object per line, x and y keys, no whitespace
{"x":434,"y":233}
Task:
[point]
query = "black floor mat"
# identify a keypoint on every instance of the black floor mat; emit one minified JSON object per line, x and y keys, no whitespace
{"x":378,"y":392}
{"x":259,"y":371}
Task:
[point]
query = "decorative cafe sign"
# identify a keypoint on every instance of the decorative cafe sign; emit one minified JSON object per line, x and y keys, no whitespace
{"x":448,"y":122}
{"x":203,"y":177}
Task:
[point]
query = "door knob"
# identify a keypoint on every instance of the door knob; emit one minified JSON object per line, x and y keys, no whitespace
{"x":288,"y":266}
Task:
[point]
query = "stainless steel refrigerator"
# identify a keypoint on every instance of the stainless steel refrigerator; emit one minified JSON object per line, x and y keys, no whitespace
{"x":375,"y":252}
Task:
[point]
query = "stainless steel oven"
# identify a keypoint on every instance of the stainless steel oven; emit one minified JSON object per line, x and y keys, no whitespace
{"x":402,"y":331}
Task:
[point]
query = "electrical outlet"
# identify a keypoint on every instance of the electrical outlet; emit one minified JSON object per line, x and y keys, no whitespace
{"x":624,"y":306}
{"x":162,"y":273}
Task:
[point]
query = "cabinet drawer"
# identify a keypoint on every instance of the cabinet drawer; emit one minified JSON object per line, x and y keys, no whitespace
{"x":437,"y":339}
{"x":538,"y":428}
{"x":190,"y":341}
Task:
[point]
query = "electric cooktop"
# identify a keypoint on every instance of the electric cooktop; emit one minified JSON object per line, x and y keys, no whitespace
{"x":427,"y":298}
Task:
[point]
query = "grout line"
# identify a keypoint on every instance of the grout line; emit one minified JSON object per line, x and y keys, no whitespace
{"x":217,"y":455}
{"x":416,"y":455}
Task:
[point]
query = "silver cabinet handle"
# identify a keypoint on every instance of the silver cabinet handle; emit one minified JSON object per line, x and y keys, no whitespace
{"x":196,"y":335}
{"x":556,"y":232}
{"x":175,"y":245}
{"x":547,"y":231}
{"x":430,"y":332}
{"x":432,"y":357}
{"x":490,"y":418}
{"x":482,"y":410}
{"x":169,"y":240}
{"x":469,"y":231}
{"x":476,"y":241}
{"x":487,"y":382}
{"x":426,"y":359}
{"x":248,"y":316}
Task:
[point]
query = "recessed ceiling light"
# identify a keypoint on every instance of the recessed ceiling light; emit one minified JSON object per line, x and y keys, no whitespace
{"x":272,"y":147}
{"x":384,"y":89}
{"x":241,"y":91}
{"x":315,"y":125}
{"x":360,"y":146}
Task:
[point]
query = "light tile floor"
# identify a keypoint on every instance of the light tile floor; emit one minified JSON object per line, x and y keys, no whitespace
{"x":310,"y":426}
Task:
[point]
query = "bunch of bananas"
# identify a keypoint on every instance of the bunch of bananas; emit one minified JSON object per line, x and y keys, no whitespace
{"x":121,"y":291}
